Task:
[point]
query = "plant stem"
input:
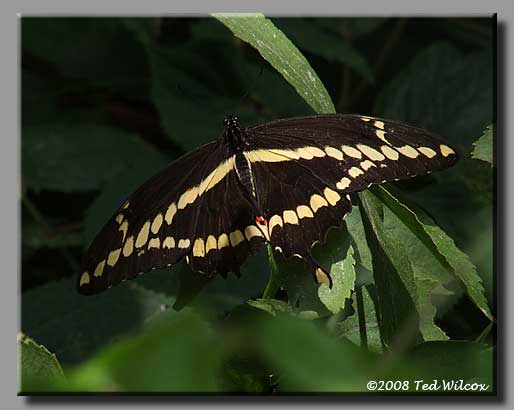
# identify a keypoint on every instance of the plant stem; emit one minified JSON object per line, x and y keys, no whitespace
{"x":362,"y":317}
{"x":274,"y":281}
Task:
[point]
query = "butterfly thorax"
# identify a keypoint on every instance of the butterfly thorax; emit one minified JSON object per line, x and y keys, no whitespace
{"x":234,"y":135}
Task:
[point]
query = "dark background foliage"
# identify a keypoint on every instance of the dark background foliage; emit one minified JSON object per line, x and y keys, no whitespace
{"x":107,"y":102}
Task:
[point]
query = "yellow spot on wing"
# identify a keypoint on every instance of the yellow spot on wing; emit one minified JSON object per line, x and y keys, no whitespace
{"x":321,"y":277}
{"x":84,"y":279}
{"x":99,"y":268}
{"x":408,"y":151}
{"x":355,"y":172}
{"x":314,"y":152}
{"x":128,"y":247}
{"x":371,"y":153}
{"x":211,"y":244}
{"x":381,"y":135}
{"x":184,"y":243}
{"x":365,"y":118}
{"x":170,"y":213}
{"x":223,"y":241}
{"x":352,"y":152}
{"x":188,"y":197}
{"x":169,"y":242}
{"x":290,"y":217}
{"x":332,"y":196}
{"x":154,"y":243}
{"x":446,"y":150}
{"x":365,"y":165}
{"x":275,"y":220}
{"x":123,"y":228}
{"x":317,"y":201}
{"x":390,"y":153}
{"x":142,"y":236}
{"x":304,"y":211}
{"x":113,"y":257}
{"x":119,"y":218}
{"x":334,"y":153}
{"x":126,"y":205}
{"x":236,"y":237}
{"x":343,"y":183}
{"x":379,"y":124}
{"x":272,"y":155}
{"x":156,"y":224}
{"x":427,"y":152}
{"x":252,"y":231}
{"x":199,"y":248}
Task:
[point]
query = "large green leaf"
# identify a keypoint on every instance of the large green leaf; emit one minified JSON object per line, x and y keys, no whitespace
{"x":278,"y":50}
{"x":77,"y":157}
{"x":37,"y":365}
{"x":441,"y":246}
{"x":483,"y":147}
{"x":394,"y":280}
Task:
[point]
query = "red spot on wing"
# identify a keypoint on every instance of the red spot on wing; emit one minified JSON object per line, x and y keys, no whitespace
{"x":261,"y":220}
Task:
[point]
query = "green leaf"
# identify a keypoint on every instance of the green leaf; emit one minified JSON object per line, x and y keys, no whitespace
{"x":176,"y":353}
{"x":343,"y":276}
{"x":393,"y":277}
{"x":308,"y":35}
{"x":308,"y":360}
{"x":442,"y":90}
{"x":100,"y":51}
{"x":38,"y":367}
{"x":74,"y":326}
{"x":441,"y":246}
{"x":349,"y":328}
{"x":77,"y":157}
{"x":184,"y":91}
{"x":278,"y":50}
{"x":483,"y":147}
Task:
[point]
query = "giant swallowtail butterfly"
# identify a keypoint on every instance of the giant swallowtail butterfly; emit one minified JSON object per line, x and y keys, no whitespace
{"x":285,"y":182}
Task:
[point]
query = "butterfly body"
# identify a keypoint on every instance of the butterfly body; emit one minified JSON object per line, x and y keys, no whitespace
{"x":285,"y":182}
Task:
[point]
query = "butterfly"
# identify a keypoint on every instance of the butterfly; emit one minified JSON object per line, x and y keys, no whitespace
{"x":285,"y":182}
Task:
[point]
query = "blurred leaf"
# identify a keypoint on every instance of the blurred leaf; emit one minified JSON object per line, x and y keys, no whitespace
{"x":442,"y":90}
{"x":38,"y":367}
{"x":278,"y":50}
{"x":343,"y":276}
{"x":35,"y":236}
{"x":102,"y":50}
{"x":74,"y":326}
{"x":191,"y":100}
{"x":351,"y":26}
{"x":176,"y":353}
{"x":274,"y":307}
{"x":450,"y":361}
{"x":309,"y":360}
{"x":441,"y":245}
{"x":308,"y":36}
{"x":349,"y":328}
{"x":76,"y":158}
{"x":483,"y":147}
